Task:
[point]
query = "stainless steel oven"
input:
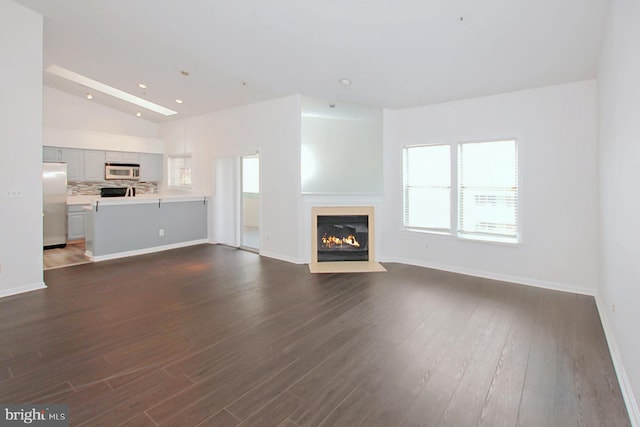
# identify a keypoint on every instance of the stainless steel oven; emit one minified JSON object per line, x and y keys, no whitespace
{"x":118,"y":191}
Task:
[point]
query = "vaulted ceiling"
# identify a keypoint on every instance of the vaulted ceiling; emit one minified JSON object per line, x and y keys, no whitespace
{"x":396,"y":53}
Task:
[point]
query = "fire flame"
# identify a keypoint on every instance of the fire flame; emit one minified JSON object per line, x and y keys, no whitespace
{"x":333,"y":241}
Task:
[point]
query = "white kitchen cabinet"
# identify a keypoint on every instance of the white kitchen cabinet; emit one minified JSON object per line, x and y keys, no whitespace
{"x":151,"y":167}
{"x":50,"y":154}
{"x":131,"y":157}
{"x":94,"y":165}
{"x":75,"y":163}
{"x":122,"y":157}
{"x":76,"y":222}
{"x":88,"y":165}
{"x":72,"y":157}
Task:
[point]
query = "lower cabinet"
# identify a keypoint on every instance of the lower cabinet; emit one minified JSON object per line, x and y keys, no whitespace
{"x":75,"y":222}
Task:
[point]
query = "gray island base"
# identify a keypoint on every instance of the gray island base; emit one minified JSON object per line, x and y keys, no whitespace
{"x":134,"y":226}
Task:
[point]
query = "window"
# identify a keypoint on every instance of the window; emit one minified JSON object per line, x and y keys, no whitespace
{"x":427,"y":187}
{"x":180,"y":171}
{"x":488,"y":190}
{"x":485,"y":175}
{"x":251,"y":174}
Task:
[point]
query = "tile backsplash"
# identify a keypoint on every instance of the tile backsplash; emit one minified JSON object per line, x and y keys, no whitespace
{"x":83,"y":188}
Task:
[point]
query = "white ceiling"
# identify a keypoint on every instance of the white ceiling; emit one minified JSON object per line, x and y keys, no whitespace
{"x":397,"y":53}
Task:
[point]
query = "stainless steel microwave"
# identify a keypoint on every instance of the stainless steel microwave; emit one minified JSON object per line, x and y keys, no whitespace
{"x":122,"y":171}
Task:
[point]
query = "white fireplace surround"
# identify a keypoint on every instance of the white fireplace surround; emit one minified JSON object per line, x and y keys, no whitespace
{"x":343,"y":266}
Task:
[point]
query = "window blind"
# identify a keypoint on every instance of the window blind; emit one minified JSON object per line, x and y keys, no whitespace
{"x":179,"y":171}
{"x":427,"y":187}
{"x":488,"y":189}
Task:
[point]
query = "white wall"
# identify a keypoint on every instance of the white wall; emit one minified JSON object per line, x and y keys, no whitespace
{"x":89,"y":140}
{"x":619,"y":102}
{"x":271,"y":128}
{"x":192,"y":136}
{"x":66,"y":111}
{"x":20,"y":149}
{"x":341,"y":148}
{"x":557,"y":132}
{"x":73,"y":122}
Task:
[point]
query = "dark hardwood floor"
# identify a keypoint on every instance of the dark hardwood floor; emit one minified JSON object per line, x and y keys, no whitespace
{"x":212,"y":336}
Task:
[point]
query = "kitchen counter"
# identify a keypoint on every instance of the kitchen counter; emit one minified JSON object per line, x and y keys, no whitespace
{"x":139,"y":199}
{"x":125,"y":226}
{"x":146,"y":199}
{"x":81,"y":200}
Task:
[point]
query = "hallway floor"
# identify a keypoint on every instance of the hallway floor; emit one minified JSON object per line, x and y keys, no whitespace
{"x":72,"y":254}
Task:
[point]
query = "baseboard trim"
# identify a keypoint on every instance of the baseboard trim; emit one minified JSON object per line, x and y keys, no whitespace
{"x":623,"y":379}
{"x":496,"y":276}
{"x":22,"y":289}
{"x":281,"y":257}
{"x":145,"y":250}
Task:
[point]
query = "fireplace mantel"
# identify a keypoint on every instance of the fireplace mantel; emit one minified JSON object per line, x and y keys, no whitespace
{"x":343,"y":266}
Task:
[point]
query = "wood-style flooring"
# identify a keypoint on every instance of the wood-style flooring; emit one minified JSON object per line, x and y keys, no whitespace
{"x":72,"y":254}
{"x":212,"y":336}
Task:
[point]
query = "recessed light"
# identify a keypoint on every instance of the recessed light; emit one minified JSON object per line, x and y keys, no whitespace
{"x":89,"y":96}
{"x":142,"y":85}
{"x":179,"y":101}
{"x":345,"y":82}
{"x":101,"y":87}
{"x":138,"y":114}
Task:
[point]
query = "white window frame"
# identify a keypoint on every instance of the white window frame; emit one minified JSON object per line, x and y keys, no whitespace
{"x":170,"y":181}
{"x":435,"y":230}
{"x":455,"y":195}
{"x":489,"y":237}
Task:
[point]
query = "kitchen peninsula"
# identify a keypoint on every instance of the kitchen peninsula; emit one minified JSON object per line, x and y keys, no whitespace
{"x":126,"y":226}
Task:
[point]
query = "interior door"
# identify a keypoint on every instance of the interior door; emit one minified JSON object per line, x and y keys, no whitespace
{"x":226,"y":206}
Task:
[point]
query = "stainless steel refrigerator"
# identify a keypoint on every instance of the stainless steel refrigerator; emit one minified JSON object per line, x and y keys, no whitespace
{"x":54,"y":191}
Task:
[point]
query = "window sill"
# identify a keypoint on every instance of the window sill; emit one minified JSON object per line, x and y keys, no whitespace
{"x":502,"y":241}
{"x":492,"y":240}
{"x":427,"y":231}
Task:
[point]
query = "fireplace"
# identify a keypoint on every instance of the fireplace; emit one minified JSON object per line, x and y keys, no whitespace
{"x":342,"y":239}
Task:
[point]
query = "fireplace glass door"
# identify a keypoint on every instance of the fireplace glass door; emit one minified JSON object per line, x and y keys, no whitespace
{"x":343,"y":238}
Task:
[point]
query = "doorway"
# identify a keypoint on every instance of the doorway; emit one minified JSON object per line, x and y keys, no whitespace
{"x":250,"y":203}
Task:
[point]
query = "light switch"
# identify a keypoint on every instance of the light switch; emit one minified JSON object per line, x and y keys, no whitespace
{"x":15,"y":194}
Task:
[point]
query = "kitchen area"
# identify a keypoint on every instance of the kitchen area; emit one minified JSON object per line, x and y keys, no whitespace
{"x":101,"y":204}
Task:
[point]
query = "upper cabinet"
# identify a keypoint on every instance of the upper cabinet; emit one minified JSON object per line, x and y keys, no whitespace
{"x":151,"y":167}
{"x":122,"y":157}
{"x":88,"y":165}
{"x":94,"y":165}
{"x":51,"y":154}
{"x":72,"y":157}
{"x":75,"y":163}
